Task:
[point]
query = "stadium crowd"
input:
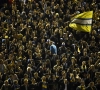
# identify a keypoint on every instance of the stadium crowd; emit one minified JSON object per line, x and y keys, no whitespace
{"x":39,"y":51}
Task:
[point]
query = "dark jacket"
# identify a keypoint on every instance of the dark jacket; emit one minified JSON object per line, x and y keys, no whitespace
{"x":97,"y":86}
{"x":80,"y":88}
{"x":89,"y":88}
{"x":15,"y":87}
{"x":4,"y":87}
{"x":42,"y":86}
{"x":33,"y":86}
{"x":23,"y":87}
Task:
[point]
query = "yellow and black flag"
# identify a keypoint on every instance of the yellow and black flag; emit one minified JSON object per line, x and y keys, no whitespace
{"x":82,"y":21}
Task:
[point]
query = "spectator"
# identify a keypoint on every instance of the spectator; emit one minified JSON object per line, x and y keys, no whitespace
{"x":33,"y":85}
{"x":97,"y":84}
{"x":53,"y":48}
{"x":43,"y":85}
{"x":91,"y":86}
{"x":36,"y":41}
{"x":6,"y":85}
{"x":15,"y":85}
{"x":25,"y":86}
{"x":3,"y":66}
{"x":82,"y":86}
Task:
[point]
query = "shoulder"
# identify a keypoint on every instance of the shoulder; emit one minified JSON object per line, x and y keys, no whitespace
{"x":87,"y":87}
{"x":51,"y":46}
{"x":9,"y":85}
{"x":78,"y":88}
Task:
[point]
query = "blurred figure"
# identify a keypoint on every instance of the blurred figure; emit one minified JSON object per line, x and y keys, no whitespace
{"x":98,"y":84}
{"x":2,"y":67}
{"x":43,"y":85}
{"x":91,"y":86}
{"x":33,"y":85}
{"x":6,"y":86}
{"x":15,"y":85}
{"x":25,"y":86}
{"x":53,"y":48}
{"x":82,"y":86}
{"x":62,"y":49}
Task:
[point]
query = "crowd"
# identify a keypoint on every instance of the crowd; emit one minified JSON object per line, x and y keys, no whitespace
{"x":39,"y":51}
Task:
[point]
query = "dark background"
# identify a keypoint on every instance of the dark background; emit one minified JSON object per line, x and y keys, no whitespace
{"x":2,"y":2}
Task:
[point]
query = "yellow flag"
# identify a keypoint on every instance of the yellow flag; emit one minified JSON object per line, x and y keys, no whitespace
{"x":82,"y":22}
